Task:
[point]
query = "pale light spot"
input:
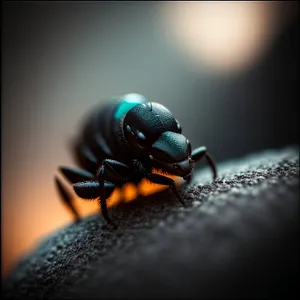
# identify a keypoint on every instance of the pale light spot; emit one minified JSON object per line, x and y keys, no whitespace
{"x":220,"y":35}
{"x":128,"y":101}
{"x":134,"y":98}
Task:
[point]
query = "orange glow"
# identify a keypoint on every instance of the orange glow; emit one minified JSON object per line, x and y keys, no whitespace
{"x":129,"y":192}
{"x":39,"y":219}
{"x":146,"y":188}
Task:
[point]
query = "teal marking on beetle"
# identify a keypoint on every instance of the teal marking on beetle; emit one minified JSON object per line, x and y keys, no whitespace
{"x":128,"y":102}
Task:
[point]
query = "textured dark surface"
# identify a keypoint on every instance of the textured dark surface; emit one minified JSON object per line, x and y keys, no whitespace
{"x":237,"y":237}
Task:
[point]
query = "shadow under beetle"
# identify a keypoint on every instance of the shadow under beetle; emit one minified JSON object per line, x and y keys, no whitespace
{"x":122,"y":142}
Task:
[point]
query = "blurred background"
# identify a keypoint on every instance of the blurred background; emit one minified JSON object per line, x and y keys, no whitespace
{"x":227,"y":70}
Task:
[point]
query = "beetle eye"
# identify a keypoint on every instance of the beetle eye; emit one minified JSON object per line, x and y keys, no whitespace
{"x":128,"y":129}
{"x":189,"y":146}
{"x":141,"y":139}
{"x":179,"y":129}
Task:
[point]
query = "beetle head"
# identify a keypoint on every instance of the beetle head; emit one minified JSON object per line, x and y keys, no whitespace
{"x":151,"y":130}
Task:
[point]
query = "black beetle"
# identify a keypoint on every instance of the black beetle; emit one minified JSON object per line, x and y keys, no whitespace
{"x":122,"y":142}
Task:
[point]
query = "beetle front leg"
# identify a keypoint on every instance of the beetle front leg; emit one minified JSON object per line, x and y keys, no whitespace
{"x":159,"y":179}
{"x":198,"y":153}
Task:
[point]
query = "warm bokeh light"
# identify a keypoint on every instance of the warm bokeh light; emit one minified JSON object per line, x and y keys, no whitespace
{"x":221,"y":35}
{"x":53,"y":215}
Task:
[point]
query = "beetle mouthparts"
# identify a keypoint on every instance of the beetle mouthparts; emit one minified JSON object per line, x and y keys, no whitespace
{"x":187,"y":176}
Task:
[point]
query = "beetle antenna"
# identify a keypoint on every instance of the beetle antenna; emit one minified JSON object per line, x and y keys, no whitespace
{"x":212,"y":164}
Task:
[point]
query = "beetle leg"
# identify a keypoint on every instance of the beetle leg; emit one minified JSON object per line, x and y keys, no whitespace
{"x":102,"y":145}
{"x":75,"y":175}
{"x":67,"y":198}
{"x":85,"y":157}
{"x":91,"y":190}
{"x":112,"y":171}
{"x":159,"y":179}
{"x":198,"y":153}
{"x":102,"y":200}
